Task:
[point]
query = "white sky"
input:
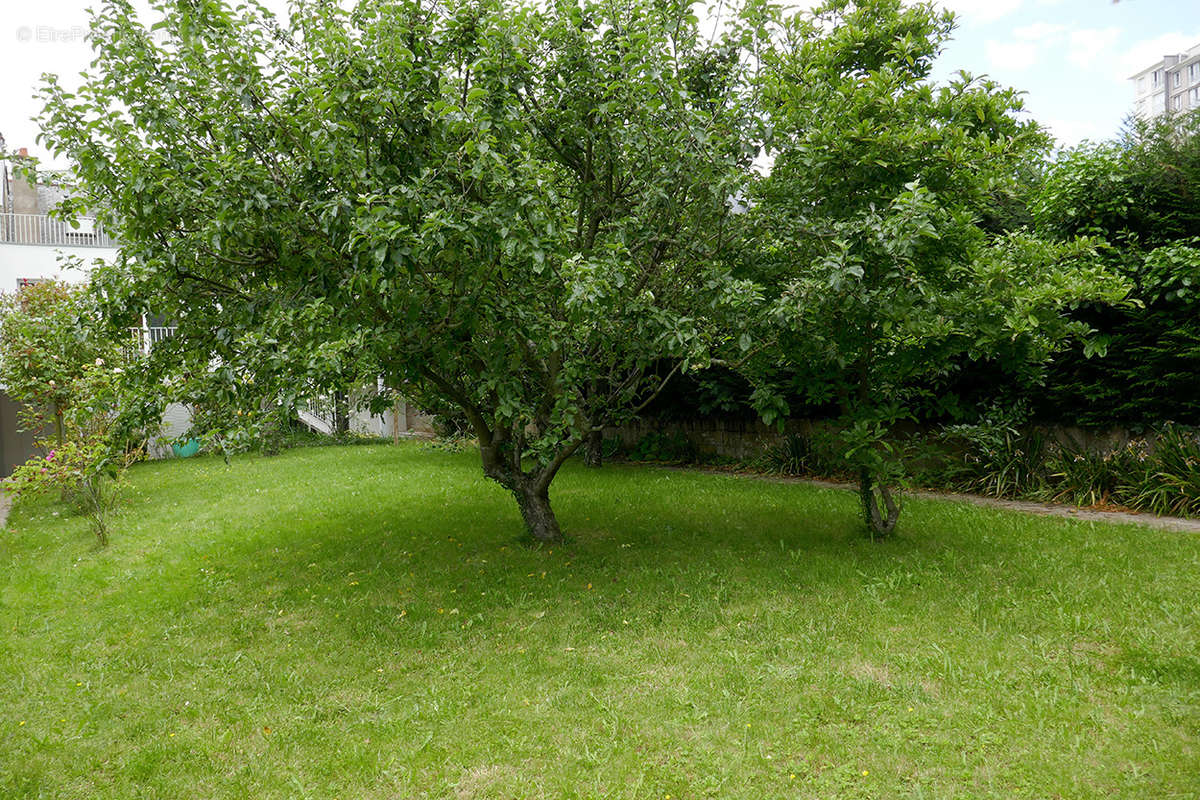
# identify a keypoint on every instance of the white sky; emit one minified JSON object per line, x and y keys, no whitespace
{"x":1072,"y":57}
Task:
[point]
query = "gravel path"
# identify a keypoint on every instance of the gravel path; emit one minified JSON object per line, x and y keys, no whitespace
{"x":1029,"y":507}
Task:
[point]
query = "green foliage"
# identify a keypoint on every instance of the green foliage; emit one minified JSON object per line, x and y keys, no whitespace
{"x":998,"y":456}
{"x":50,"y":336}
{"x":816,"y":453}
{"x":1139,"y":193}
{"x":1167,"y":480}
{"x":264,"y":428}
{"x":1087,"y":476}
{"x":59,"y":361}
{"x":88,"y":459}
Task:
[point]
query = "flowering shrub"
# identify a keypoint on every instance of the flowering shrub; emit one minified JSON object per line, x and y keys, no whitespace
{"x":59,"y":362}
{"x":88,"y":463}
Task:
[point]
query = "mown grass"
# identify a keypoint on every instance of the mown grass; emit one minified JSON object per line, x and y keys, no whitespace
{"x":363,"y":622}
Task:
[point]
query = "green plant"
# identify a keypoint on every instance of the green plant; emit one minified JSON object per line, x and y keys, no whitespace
{"x":867,"y":235}
{"x":50,"y":333}
{"x":450,"y":444}
{"x":1085,"y":476}
{"x":612,"y":447}
{"x":508,"y":207}
{"x":1168,"y":481}
{"x":88,"y":457}
{"x":815,"y":453}
{"x":1139,"y":193}
{"x":997,"y":456}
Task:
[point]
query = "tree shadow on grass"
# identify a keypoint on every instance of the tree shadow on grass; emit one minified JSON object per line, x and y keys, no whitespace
{"x":638,"y":537}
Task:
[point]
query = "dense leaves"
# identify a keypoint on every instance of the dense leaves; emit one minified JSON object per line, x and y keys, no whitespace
{"x":1141,"y":193}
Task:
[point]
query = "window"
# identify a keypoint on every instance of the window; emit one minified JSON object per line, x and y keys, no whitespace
{"x":1142,"y":85}
{"x":1177,"y":103}
{"x":1193,"y":71}
{"x":1178,"y":78}
{"x":1157,"y":77}
{"x":1195,"y":95}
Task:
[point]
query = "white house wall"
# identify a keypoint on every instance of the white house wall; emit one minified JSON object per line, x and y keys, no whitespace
{"x":31,"y":261}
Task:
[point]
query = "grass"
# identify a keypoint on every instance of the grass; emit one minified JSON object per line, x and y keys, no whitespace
{"x":363,"y":623}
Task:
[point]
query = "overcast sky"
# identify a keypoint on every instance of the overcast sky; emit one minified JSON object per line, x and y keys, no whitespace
{"x":1072,"y":57}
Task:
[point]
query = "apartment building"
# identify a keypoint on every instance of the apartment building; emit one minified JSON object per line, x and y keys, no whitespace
{"x":1172,"y":84}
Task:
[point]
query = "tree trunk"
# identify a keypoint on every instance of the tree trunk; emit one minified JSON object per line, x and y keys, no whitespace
{"x":531,"y":489}
{"x":539,"y":517}
{"x":593,"y":455}
{"x":878,"y":525}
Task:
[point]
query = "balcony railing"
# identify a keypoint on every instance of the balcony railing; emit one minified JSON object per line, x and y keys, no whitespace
{"x":142,"y":339}
{"x":41,"y":229}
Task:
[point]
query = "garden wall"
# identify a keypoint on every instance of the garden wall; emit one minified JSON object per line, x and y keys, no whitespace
{"x":744,"y":440}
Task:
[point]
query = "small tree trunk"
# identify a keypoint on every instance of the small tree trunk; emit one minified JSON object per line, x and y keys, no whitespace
{"x":879,"y":525}
{"x":593,"y":455}
{"x":531,"y":490}
{"x":535,"y":508}
{"x":341,"y":412}
{"x":60,"y":430}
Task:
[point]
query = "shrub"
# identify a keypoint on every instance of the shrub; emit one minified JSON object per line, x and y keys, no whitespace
{"x":89,"y":455}
{"x":1086,"y":476}
{"x":815,"y":453}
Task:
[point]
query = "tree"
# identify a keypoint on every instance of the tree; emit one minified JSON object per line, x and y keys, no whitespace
{"x":867,"y":234}
{"x":506,"y":207}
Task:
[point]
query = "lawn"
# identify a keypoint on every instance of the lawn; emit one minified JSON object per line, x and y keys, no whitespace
{"x":364,"y":622}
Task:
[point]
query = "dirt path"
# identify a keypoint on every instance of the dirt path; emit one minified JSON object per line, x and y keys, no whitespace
{"x":1029,"y":507}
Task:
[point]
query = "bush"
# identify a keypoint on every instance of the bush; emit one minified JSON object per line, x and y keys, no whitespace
{"x":89,"y":456}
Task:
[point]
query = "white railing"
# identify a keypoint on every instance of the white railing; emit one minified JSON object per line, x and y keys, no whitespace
{"x":142,"y":339}
{"x":41,"y":229}
{"x":319,"y":412}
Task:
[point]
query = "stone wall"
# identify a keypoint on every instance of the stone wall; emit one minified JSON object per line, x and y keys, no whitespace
{"x":746,"y":440}
{"x":737,"y":439}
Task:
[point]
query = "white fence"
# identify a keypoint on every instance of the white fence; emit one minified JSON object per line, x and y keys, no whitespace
{"x":40,"y":229}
